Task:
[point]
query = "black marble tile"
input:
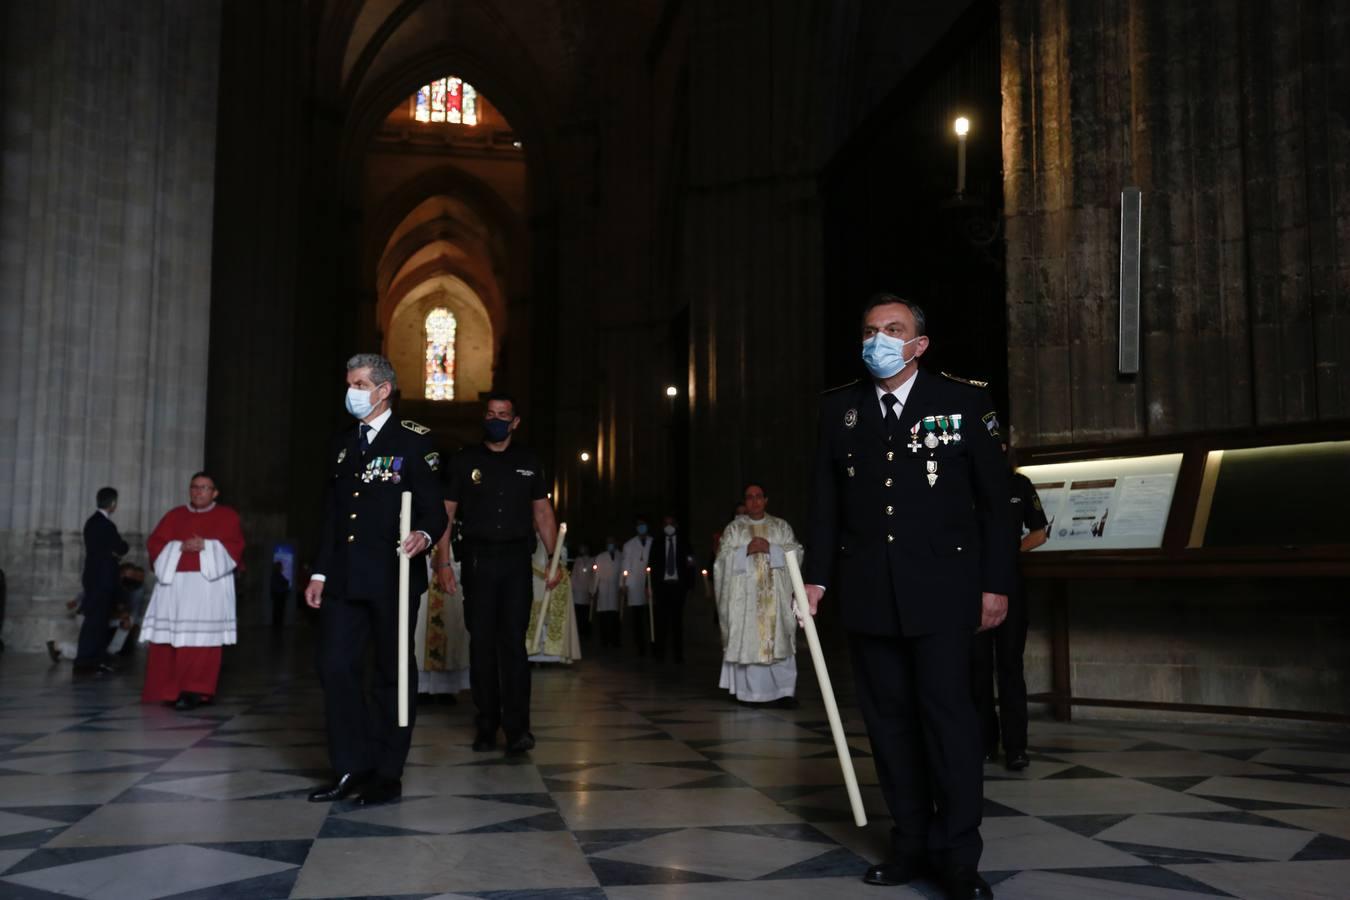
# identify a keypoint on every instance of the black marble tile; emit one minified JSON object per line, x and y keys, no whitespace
{"x":1087,"y":825}
{"x":293,"y":852}
{"x":1324,"y":846}
{"x":1147,"y":876}
{"x":1179,"y":783}
{"x":837,"y":863}
{"x":612,"y":873}
{"x":1079,"y":772}
{"x":542,"y":822}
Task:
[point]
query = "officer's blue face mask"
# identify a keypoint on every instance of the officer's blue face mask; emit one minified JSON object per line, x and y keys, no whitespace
{"x":642,"y":529}
{"x":359,"y":403}
{"x":884,"y":355}
{"x":496,"y":430}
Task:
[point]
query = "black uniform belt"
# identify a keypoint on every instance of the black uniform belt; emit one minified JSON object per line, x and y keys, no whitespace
{"x":510,"y":546}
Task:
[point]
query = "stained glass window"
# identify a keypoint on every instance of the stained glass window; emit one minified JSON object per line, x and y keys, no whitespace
{"x":440,"y":332}
{"x":446,"y":99}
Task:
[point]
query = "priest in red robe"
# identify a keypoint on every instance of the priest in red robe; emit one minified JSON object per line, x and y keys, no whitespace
{"x":194,"y":550}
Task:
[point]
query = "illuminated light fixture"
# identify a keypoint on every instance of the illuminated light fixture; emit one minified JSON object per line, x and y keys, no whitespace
{"x":672,"y":391}
{"x":585,"y":457}
{"x":518,"y":145}
{"x":961,"y":126}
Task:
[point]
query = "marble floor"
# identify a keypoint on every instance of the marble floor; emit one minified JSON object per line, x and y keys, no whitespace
{"x":646,"y":784}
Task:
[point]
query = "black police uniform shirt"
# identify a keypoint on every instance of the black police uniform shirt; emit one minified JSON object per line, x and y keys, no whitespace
{"x":1028,"y":514}
{"x":358,"y":549}
{"x":906,"y":531}
{"x":495,"y":493}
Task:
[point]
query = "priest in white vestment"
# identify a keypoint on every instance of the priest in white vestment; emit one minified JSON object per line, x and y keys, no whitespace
{"x":551,"y":635}
{"x":754,"y":605}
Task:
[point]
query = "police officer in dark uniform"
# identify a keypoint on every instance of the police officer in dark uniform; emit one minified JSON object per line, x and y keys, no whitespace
{"x":496,"y":490}
{"x":909,"y":530}
{"x":355,"y":581}
{"x":1006,"y":643}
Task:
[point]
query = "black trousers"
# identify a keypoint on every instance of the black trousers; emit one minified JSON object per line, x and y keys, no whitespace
{"x":583,"y":619}
{"x":363,"y":732}
{"x":607,"y":623}
{"x":97,"y":607}
{"x":999,"y":651}
{"x":916,"y":701}
{"x":642,"y":634}
{"x":498,"y":589}
{"x":669,"y":619}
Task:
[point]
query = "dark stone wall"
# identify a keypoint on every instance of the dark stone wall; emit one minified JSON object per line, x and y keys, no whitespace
{"x":1231,"y":117}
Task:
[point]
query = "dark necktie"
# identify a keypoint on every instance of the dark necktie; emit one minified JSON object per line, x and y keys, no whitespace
{"x":892,"y":416}
{"x":670,"y":556}
{"x":365,"y":438}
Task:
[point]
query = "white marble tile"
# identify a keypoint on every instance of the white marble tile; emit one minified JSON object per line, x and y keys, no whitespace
{"x":64,"y":790}
{"x":147,"y":874}
{"x":1013,"y":843}
{"x":871,"y":842}
{"x":541,"y":718}
{"x":786,"y":749}
{"x":294,"y":738}
{"x":849,"y":888}
{"x":1312,"y":880}
{"x":836,"y":798}
{"x":341,"y":867}
{"x":232,"y":785}
{"x":81,"y":761}
{"x":13,"y":823}
{"x":443,"y":754}
{"x":1093,"y":796}
{"x":1202,"y":836}
{"x":804,"y":772}
{"x":1195,"y":740}
{"x":637,"y":775}
{"x":138,"y":739}
{"x":444,"y":815}
{"x":736,"y":730}
{"x":23,"y":724}
{"x":1039,"y":768}
{"x":1063,"y":886}
{"x":687,"y":808}
{"x":722,"y":853}
{"x":1321,"y":760}
{"x":1165,"y":764}
{"x":1290,"y":792}
{"x":431,"y":780}
{"x":197,"y":822}
{"x":593,"y":732}
{"x":10,"y":858}
{"x":558,"y":752}
{"x":224,"y":759}
{"x":1335,"y":822}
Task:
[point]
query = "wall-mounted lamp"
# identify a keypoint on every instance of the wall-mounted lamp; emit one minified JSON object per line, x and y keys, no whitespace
{"x":672,"y":392}
{"x":585,"y":457}
{"x":962,"y":128}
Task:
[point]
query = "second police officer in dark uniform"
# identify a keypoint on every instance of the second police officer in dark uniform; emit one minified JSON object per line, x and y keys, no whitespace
{"x":496,"y":490}
{"x":355,"y":581}
{"x":909,"y":532}
{"x":1000,"y":650}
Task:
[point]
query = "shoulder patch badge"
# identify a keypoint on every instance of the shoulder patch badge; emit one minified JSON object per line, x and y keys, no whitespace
{"x":415,"y":427}
{"x":970,"y":381}
{"x":476,"y":476}
{"x":990,"y":420}
{"x":835,"y":390}
{"x":850,"y":418}
{"x":433,"y":460}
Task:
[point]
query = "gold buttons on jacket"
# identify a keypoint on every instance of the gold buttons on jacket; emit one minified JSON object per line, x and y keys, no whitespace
{"x":890,"y":511}
{"x":890,"y":455}
{"x":890,"y":481}
{"x":890,"y":539}
{"x":353,"y":515}
{"x":351,"y":539}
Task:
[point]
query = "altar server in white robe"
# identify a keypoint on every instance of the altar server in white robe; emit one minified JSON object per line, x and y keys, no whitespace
{"x":637,"y":551}
{"x":581,"y":590}
{"x":606,"y":575}
{"x":754,"y":603}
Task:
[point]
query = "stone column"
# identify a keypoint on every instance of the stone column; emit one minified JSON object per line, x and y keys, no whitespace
{"x":109,"y":115}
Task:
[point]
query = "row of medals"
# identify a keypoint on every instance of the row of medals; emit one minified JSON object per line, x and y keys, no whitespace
{"x":951,"y":433}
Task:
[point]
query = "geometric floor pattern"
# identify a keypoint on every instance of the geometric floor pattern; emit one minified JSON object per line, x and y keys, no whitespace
{"x":646,"y":784}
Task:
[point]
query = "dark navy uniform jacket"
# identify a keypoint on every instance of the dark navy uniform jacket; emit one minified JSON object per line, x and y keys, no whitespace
{"x":899,"y":555}
{"x":359,"y":542}
{"x":103,"y":548}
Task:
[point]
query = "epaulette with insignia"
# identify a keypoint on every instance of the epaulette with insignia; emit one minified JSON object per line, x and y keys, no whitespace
{"x":416,"y":427}
{"x":970,"y":381}
{"x":835,"y":390}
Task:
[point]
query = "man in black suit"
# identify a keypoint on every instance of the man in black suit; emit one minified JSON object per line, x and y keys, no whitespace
{"x":355,"y":581}
{"x":103,"y":551}
{"x":909,"y":529}
{"x":672,"y":565}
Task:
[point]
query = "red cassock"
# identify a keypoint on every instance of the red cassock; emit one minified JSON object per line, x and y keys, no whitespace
{"x":191,"y":614}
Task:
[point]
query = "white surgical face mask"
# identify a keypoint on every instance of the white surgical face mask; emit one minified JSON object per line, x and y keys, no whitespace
{"x":884,"y":355}
{"x":359,"y":403}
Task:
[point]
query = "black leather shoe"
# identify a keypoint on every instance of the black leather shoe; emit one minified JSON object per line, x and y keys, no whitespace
{"x":381,"y":792}
{"x":344,"y":787}
{"x":186,"y":701}
{"x":890,"y":874}
{"x":484,"y":742}
{"x":965,"y":883}
{"x":522,"y":744}
{"x":1018,"y":761}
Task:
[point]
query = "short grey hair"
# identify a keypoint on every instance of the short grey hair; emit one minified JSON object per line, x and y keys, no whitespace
{"x":885,"y":298}
{"x":381,"y":369}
